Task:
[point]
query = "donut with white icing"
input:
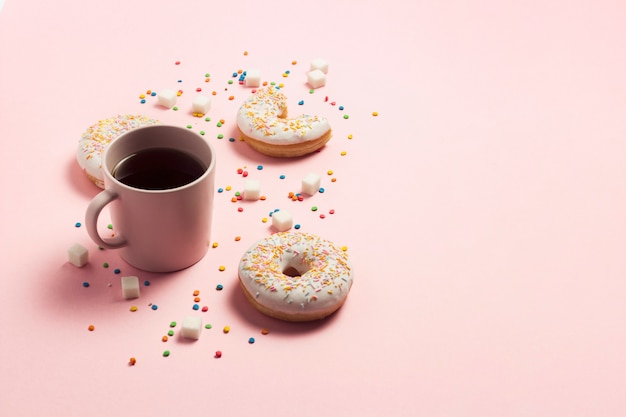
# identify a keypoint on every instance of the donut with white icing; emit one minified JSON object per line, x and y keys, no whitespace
{"x":264,"y":125}
{"x":295,"y":276}
{"x":97,"y":137}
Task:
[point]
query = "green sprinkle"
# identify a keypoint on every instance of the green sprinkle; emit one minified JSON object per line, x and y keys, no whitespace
{"x":207,"y":119}
{"x":230,"y":81}
{"x":220,"y":136}
{"x":106,"y":264}
{"x":170,"y":333}
{"x":311,"y":91}
{"x":207,"y":75}
{"x":166,"y":353}
{"x":172,"y":324}
{"x":202,"y":132}
{"x":207,"y":326}
{"x":175,"y":108}
{"x":189,"y":126}
{"x":219,"y":124}
{"x":109,"y":226}
{"x":345,"y":116}
{"x":314,"y":208}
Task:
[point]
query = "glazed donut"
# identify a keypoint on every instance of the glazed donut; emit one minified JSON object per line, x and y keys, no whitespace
{"x":295,"y":276}
{"x":263,"y":123}
{"x":98,"y":136}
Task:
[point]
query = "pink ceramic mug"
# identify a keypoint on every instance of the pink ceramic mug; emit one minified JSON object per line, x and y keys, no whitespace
{"x":159,"y":187}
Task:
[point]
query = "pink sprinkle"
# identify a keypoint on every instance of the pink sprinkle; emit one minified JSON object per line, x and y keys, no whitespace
{"x":240,"y":209}
{"x":331,"y":211}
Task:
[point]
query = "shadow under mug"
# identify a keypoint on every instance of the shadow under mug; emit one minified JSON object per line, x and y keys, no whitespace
{"x":157,"y":230}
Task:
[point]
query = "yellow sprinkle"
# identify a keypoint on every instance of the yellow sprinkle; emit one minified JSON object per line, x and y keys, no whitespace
{"x":264,"y":219}
{"x":214,"y":244}
{"x":133,"y":308}
{"x":228,"y":188}
{"x":222,"y":268}
{"x":350,"y":136}
{"x":285,"y":75}
{"x":142,"y":96}
{"x":374,"y":113}
{"x":281,"y":85}
{"x":330,"y":172}
{"x":343,"y":153}
{"x":226,"y":329}
{"x":344,"y":248}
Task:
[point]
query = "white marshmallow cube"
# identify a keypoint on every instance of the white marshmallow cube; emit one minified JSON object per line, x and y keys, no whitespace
{"x":311,"y":184}
{"x":319,"y":64}
{"x":130,"y":287}
{"x":191,"y":327}
{"x":316,"y":78}
{"x":252,"y":190}
{"x":78,"y":255}
{"x":201,"y":104}
{"x":253,"y":78}
{"x":282,"y":220}
{"x":167,"y":98}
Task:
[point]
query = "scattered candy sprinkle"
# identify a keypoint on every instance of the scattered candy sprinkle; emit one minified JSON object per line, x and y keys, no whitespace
{"x":133,"y":308}
{"x":218,"y":354}
{"x":164,"y":338}
{"x":77,"y":224}
{"x":219,"y":287}
{"x":91,"y":328}
{"x":251,"y":340}
{"x":222,"y":268}
{"x":154,"y":306}
{"x":207,"y":326}
{"x":226,"y":329}
{"x":374,"y":113}
{"x":264,"y":331}
{"x":166,"y":353}
{"x":132,"y":361}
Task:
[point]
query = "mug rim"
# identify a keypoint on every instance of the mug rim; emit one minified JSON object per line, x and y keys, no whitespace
{"x":109,"y":175}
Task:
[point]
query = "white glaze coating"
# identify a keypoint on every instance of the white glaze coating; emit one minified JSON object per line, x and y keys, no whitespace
{"x":98,"y":136}
{"x":324,"y":283}
{"x":259,"y":118}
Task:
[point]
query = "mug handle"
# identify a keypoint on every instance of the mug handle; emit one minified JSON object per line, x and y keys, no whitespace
{"x":91,"y":220}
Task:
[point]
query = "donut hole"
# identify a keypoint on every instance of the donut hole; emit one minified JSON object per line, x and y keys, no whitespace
{"x":295,"y":269}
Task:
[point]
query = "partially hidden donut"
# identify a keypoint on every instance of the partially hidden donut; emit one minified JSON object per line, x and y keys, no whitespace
{"x":264,"y":125}
{"x":295,"y":276}
{"x":97,"y":137}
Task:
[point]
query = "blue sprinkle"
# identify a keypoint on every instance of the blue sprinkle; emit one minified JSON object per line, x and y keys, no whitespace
{"x":153,"y":93}
{"x":251,"y":340}
{"x":196,"y":306}
{"x":282,"y":177}
{"x":301,"y":102}
{"x":259,"y":167}
{"x":146,"y":283}
{"x":297,"y":226}
{"x":231,"y":139}
{"x":287,"y":72}
{"x":154,"y":306}
{"x":340,"y":107}
{"x":143,"y":101}
{"x":117,"y":270}
{"x":234,"y":74}
{"x":180,"y":81}
{"x":220,"y":190}
{"x":219,"y":287}
{"x":85,"y":284}
{"x":321,"y":190}
{"x":77,"y":224}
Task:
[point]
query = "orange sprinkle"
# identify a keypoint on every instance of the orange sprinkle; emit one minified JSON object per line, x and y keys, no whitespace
{"x":196,"y":293}
{"x":91,"y":328}
{"x":333,"y":180}
{"x":214,"y":93}
{"x":196,"y":299}
{"x":222,"y":121}
{"x":264,"y":83}
{"x":231,"y":97}
{"x":164,"y":338}
{"x":132,"y":361}
{"x":207,"y":79}
{"x":262,"y":197}
{"x":294,"y":62}
{"x":264,"y":331}
{"x":237,"y":238}
{"x":245,"y":53}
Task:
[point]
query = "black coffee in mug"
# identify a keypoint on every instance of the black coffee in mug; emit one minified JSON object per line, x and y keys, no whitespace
{"x":158,"y":169}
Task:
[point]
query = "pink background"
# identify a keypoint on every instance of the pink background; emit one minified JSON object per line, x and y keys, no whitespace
{"x":484,"y":209}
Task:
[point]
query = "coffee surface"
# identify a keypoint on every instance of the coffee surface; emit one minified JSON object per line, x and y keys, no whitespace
{"x":158,"y":169}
